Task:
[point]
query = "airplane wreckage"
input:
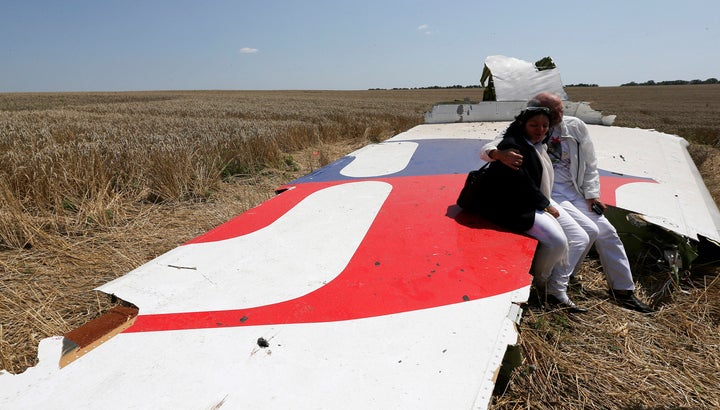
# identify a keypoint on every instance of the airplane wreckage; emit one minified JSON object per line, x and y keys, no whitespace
{"x":362,"y":284}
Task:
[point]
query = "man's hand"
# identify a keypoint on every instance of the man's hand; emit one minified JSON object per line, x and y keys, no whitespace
{"x":511,"y":157}
{"x":592,"y":201}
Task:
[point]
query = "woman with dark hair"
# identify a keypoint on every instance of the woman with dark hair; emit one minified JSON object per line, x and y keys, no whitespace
{"x":519,"y":200}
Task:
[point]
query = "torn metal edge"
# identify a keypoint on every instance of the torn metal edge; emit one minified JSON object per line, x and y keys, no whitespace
{"x":92,"y":334}
{"x":507,"y":352}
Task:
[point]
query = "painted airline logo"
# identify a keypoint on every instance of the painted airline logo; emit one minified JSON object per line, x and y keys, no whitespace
{"x":610,"y":182}
{"x":370,"y":242}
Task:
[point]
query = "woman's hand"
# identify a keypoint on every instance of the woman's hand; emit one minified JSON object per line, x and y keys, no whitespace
{"x":552,"y":211}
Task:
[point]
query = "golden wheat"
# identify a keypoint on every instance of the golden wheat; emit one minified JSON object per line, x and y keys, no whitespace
{"x":72,"y":162}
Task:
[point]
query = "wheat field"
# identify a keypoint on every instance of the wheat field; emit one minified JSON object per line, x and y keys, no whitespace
{"x":93,"y":185}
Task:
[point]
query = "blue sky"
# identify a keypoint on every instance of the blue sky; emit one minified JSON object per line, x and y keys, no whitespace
{"x":130,"y":45}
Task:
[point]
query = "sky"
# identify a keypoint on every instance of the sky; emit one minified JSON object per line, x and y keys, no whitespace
{"x":142,"y":45}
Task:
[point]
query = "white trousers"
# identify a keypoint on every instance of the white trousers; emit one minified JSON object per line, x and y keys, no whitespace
{"x":613,"y":258}
{"x":580,"y":235}
{"x":551,"y":265}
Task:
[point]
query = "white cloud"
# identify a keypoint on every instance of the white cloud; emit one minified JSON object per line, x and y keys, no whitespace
{"x":248,"y":50}
{"x":424,"y":28}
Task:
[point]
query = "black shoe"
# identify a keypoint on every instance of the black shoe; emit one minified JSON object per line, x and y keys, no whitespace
{"x":555,"y":303}
{"x":628,"y":300}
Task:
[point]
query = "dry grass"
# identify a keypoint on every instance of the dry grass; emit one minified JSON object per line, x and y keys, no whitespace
{"x":95,"y":184}
{"x":613,"y":358}
{"x":72,"y":162}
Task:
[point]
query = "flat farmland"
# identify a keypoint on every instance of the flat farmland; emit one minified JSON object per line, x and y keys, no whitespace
{"x":93,"y":185}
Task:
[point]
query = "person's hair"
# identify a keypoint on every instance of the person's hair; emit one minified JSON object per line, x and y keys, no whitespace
{"x":518,"y":126}
{"x":529,"y":112}
{"x":543,"y":100}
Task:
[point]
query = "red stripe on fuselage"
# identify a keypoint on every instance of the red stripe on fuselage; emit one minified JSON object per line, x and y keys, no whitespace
{"x":419,"y":253}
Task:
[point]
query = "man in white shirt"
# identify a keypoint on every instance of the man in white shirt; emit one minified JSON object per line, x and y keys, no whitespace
{"x":577,"y":190}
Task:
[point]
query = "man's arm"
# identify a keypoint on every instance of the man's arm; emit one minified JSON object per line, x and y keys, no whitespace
{"x":487,"y":148}
{"x":591,"y":177}
{"x":510,"y":157}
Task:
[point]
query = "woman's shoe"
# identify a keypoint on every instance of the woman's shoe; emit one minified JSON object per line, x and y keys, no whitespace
{"x":555,"y":303}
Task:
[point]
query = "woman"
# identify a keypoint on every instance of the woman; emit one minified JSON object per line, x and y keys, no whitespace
{"x":520,"y":202}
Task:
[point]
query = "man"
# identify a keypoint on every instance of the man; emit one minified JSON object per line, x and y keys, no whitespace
{"x":576,"y":189}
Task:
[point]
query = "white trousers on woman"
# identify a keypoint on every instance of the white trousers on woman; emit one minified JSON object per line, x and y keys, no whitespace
{"x":563,"y":243}
{"x":608,"y":245}
{"x":550,"y":266}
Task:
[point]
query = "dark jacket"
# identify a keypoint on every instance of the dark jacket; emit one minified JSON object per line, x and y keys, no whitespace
{"x":513,"y":196}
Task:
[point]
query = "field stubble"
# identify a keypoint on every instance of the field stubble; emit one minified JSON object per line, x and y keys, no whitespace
{"x":94,"y":184}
